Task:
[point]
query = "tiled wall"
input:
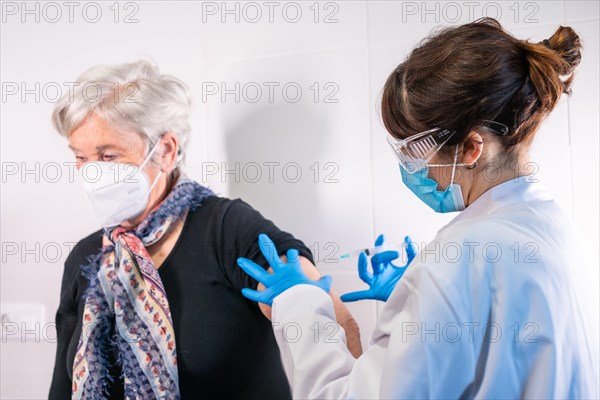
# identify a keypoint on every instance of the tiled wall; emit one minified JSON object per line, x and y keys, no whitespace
{"x":349,"y":189}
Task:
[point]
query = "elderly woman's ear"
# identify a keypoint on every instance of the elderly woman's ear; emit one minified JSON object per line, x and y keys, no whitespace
{"x":169,"y":147}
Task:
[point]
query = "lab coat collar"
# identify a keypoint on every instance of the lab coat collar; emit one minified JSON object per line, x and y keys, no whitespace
{"x":518,"y":190}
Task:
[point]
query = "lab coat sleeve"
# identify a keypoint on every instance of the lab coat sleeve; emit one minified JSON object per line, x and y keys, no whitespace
{"x":401,"y":361}
{"x":300,"y":317}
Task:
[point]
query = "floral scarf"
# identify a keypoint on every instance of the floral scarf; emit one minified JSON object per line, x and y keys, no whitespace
{"x":126,"y":288}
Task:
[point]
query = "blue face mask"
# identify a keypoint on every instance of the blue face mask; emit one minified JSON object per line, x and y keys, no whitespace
{"x":425,"y":188}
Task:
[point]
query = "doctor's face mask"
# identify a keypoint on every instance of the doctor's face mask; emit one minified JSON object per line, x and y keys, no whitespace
{"x":117,"y":191}
{"x":425,"y":188}
{"x":414,"y":154}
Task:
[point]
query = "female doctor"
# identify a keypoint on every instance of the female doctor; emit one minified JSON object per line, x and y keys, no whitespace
{"x":500,"y":316}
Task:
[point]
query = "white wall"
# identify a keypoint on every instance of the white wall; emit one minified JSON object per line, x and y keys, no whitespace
{"x":357,"y":192}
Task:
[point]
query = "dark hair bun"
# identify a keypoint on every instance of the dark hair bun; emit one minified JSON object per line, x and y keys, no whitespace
{"x":551,"y":65}
{"x":567,"y":44}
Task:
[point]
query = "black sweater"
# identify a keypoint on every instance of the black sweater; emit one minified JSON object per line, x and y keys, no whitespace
{"x":225,"y":346}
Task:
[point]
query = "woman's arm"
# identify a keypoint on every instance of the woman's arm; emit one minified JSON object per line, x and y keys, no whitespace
{"x":343,"y":316}
{"x":60,"y":386}
{"x":66,"y":321}
{"x":240,"y":227}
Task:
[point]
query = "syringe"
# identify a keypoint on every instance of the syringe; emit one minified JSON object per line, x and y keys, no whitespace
{"x":373,"y":250}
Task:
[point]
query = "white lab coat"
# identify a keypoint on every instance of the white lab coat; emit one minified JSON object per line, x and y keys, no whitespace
{"x":503,"y":303}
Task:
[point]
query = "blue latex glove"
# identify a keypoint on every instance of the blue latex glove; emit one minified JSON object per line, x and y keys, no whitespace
{"x":385,"y":275}
{"x":284,"y":276}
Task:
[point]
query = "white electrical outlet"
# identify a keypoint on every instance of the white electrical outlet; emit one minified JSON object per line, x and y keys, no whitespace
{"x":23,"y":322}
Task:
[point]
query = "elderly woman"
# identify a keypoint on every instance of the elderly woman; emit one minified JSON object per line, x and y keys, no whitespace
{"x":496,"y":306}
{"x":151,"y":305}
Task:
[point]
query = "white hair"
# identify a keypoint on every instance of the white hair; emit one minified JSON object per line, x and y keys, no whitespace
{"x":130,"y":97}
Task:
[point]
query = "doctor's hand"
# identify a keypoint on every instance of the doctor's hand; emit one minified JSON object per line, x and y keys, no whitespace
{"x":284,"y":276}
{"x":385,"y":275}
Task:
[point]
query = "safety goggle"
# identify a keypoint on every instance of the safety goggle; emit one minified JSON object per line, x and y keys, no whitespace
{"x":415,"y":152}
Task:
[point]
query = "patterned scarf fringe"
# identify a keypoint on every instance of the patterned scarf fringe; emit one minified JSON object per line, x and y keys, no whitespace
{"x":97,"y":384}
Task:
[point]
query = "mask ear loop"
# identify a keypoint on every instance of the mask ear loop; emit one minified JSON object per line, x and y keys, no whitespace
{"x":155,"y":181}
{"x":146,"y":161}
{"x":454,"y":164}
{"x":149,"y":156}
